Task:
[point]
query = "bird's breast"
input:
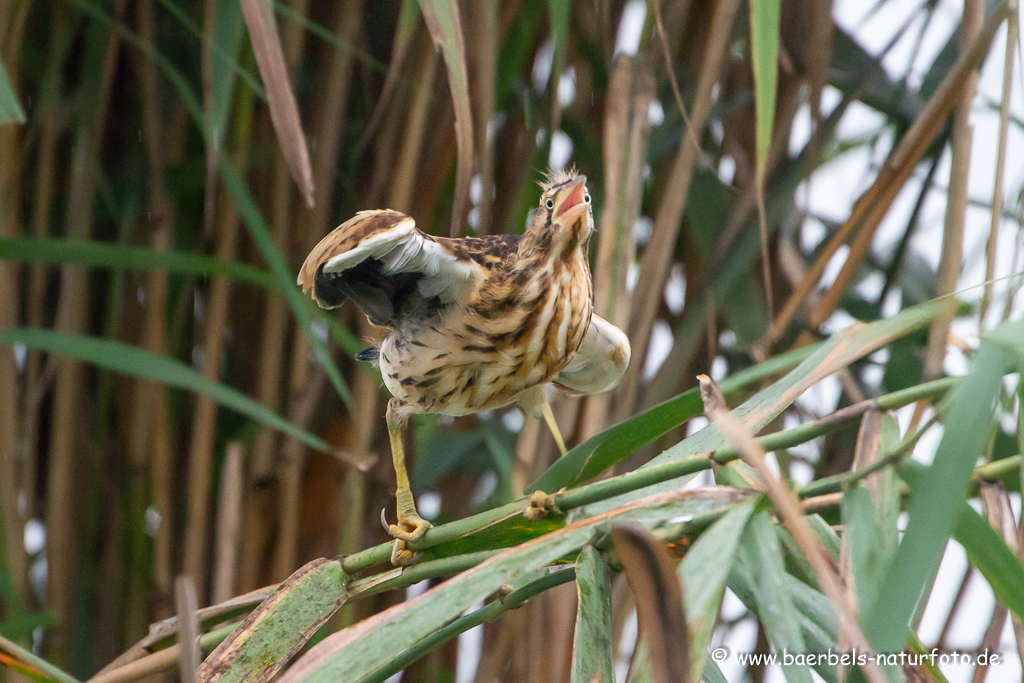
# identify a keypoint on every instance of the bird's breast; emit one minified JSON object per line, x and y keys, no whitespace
{"x":487,"y":354}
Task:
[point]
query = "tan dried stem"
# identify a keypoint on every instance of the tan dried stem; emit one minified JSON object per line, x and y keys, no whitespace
{"x":659,"y":252}
{"x":626,"y":141}
{"x":229,"y":524}
{"x":205,"y":413}
{"x":65,"y":457}
{"x":306,"y":382}
{"x":148,"y":447}
{"x":872,"y":206}
{"x":997,"y":184}
{"x":187,"y":605}
{"x":1000,"y":515}
{"x":484,"y":16}
{"x":956,"y":207}
{"x":276,"y":314}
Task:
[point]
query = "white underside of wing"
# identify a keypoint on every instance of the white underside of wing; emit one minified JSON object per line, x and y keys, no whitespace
{"x":404,"y":249}
{"x":601,"y":361}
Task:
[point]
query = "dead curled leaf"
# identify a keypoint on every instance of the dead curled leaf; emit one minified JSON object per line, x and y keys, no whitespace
{"x":284,"y":111}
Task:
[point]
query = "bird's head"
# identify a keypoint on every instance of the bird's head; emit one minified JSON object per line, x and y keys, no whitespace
{"x":565,"y":207}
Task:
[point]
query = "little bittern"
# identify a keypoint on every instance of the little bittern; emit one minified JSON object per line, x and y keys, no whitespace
{"x":476,"y":323}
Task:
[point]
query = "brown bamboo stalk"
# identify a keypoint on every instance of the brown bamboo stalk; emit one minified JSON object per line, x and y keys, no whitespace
{"x":997,"y":185}
{"x":205,"y":413}
{"x":659,"y":251}
{"x":306,"y":382}
{"x":1000,"y":515}
{"x":304,"y":392}
{"x":956,"y":209}
{"x":675,"y":15}
{"x":188,"y":627}
{"x":990,"y":640}
{"x":626,"y":133}
{"x":872,"y":206}
{"x":526,"y":454}
{"x":12,"y":23}
{"x":483,"y":19}
{"x":276,"y":315}
{"x":14,"y":16}
{"x":65,"y":443}
{"x":483,"y":16}
{"x":229,"y":525}
{"x":494,"y":657}
{"x":148,"y":406}
{"x":404,"y":174}
{"x":408,"y":23}
{"x":330,"y":124}
{"x":52,"y":125}
{"x":954,"y":609}
{"x":626,"y":137}
{"x":364,"y":424}
{"x":161,"y":444}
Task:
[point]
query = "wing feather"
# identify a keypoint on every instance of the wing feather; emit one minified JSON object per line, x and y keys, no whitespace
{"x":381,"y":261}
{"x":600,"y":362}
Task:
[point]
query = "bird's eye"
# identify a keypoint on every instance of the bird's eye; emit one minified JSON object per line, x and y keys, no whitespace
{"x":586,"y":198}
{"x":550,"y":203}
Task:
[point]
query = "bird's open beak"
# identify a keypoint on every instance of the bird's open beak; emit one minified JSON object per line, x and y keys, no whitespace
{"x":573,"y":206}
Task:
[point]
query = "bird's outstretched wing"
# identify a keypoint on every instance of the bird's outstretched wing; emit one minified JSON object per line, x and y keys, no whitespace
{"x":600,"y":362}
{"x":381,"y":261}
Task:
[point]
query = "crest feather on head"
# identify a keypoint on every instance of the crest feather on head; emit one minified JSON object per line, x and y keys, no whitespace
{"x":553,"y":178}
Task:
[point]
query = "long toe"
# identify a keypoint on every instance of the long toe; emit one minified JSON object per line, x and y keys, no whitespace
{"x":400,"y":554}
{"x":410,"y":529}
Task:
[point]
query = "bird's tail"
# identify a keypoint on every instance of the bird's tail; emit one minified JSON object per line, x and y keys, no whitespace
{"x":371,"y":354}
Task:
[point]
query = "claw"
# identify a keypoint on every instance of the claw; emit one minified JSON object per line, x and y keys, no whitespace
{"x":410,"y":528}
{"x":401,"y":556}
{"x":384,"y":520}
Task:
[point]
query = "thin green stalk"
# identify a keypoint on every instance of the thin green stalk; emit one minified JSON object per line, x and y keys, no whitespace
{"x":838,"y":482}
{"x":440,"y":534}
{"x":591,"y":493}
{"x":22,"y":655}
{"x":430,"y":569}
{"x":647,"y":476}
{"x":999,"y":469}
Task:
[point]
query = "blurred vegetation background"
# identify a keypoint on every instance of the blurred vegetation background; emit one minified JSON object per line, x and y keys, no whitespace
{"x":165,"y":392}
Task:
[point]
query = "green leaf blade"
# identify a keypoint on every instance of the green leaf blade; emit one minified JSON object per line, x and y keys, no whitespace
{"x":592,"y":642}
{"x":938,"y":496}
{"x":137,"y":362}
{"x":10,"y":107}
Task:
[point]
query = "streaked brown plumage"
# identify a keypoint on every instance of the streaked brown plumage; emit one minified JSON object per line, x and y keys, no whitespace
{"x":475,"y":323}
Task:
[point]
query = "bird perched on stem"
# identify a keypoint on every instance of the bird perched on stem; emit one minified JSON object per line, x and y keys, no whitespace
{"x":476,"y":323}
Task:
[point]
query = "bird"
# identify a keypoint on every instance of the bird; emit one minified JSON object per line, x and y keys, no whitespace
{"x":473,"y":323}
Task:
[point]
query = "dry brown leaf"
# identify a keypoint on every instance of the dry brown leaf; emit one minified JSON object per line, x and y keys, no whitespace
{"x":284,"y":112}
{"x":442,"y":17}
{"x":659,"y":602}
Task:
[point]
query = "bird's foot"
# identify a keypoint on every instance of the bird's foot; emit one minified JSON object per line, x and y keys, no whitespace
{"x":541,"y":505}
{"x":410,"y":528}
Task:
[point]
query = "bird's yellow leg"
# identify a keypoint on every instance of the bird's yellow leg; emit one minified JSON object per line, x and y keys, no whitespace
{"x":549,"y":417}
{"x":411,"y":526}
